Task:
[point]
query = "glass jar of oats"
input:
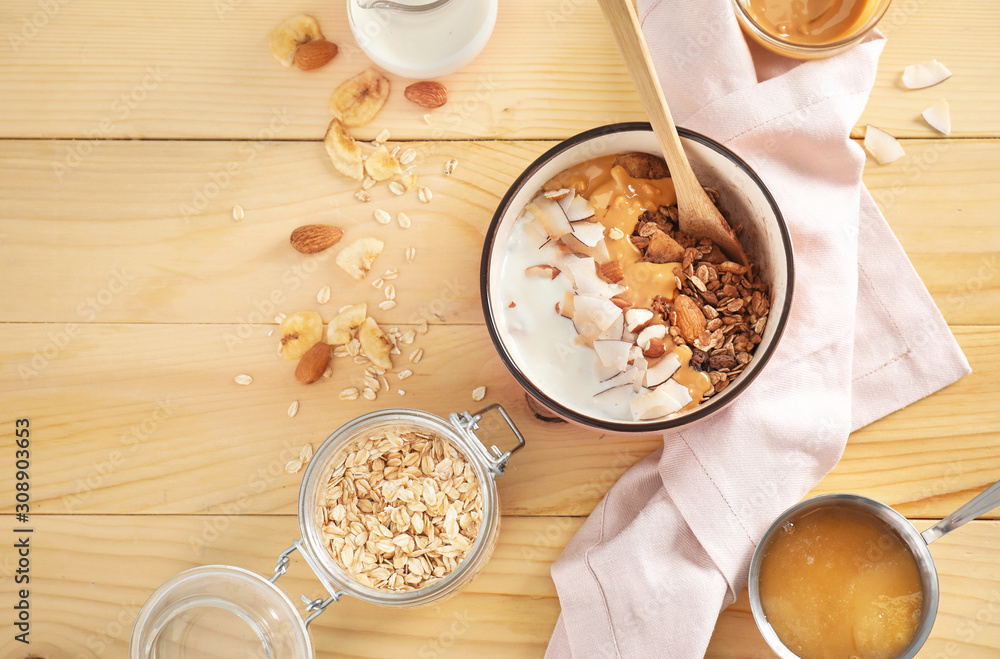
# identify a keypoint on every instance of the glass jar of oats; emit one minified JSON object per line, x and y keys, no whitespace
{"x":397,"y":507}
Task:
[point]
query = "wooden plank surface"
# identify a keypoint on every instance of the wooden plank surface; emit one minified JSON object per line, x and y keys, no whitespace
{"x":84,"y":608}
{"x":131,"y":298}
{"x":67,"y":259}
{"x":194,"y":69}
{"x":146,"y":418}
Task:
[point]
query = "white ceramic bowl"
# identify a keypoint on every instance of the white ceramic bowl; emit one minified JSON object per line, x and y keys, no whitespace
{"x":743,"y":198}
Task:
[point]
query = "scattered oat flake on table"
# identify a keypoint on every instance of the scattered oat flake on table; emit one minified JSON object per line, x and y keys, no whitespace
{"x":293,"y":409}
{"x":390,"y":292}
{"x":882,"y":145}
{"x":378,"y":282}
{"x":350,"y":393}
{"x":386,"y":305}
{"x":938,"y":117}
{"x":293,"y":467}
{"x":424,"y":194}
{"x":243,"y":379}
{"x":428,"y":118}
{"x":324,"y":295}
{"x":405,"y":373}
{"x":278,"y":317}
{"x":382,"y":217}
{"x":423,"y":327}
{"x":397,"y":188}
{"x":411,"y":253}
{"x":404,"y":220}
{"x":383,"y":136}
{"x":478,"y":393}
{"x":407,"y":157}
{"x":369,"y":393}
{"x":416,"y":355}
{"x":391,"y":273}
{"x":306,"y":454}
{"x":400,"y":392}
{"x":368,"y":183}
{"x":925,"y":74}
{"x":238,"y":213}
{"x":449,"y":166}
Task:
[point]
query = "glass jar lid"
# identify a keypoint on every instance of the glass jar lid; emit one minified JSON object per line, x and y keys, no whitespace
{"x":219,"y":612}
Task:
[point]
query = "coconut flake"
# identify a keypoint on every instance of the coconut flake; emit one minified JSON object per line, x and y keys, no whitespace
{"x":551,"y":215}
{"x":576,"y":208}
{"x":621,"y":380}
{"x":882,"y":145}
{"x":661,"y":371}
{"x":615,"y":396}
{"x":588,"y":233}
{"x":586,"y":281}
{"x":653,"y":404}
{"x":615,"y":331}
{"x":593,"y":315}
{"x":677,"y":391}
{"x":613,"y":354}
{"x":925,"y":74}
{"x":938,"y":117}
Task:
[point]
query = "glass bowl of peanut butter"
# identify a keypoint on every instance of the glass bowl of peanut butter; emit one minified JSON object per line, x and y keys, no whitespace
{"x":809,"y":29}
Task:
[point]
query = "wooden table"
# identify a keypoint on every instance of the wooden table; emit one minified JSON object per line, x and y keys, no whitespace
{"x":131,"y":299}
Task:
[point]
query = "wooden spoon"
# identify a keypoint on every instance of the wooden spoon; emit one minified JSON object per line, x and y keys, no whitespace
{"x":698,"y":215}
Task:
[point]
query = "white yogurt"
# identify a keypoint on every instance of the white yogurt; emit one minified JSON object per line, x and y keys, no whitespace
{"x":544,"y":343}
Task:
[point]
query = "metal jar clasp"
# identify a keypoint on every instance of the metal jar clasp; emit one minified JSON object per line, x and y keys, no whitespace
{"x":314,"y":607}
{"x":468,"y":424}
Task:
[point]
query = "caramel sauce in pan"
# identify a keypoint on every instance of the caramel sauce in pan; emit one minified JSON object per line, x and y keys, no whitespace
{"x":838,"y":582}
{"x":618,"y":200}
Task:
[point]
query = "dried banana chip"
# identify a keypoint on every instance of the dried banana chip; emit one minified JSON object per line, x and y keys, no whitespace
{"x":287,"y":37}
{"x":343,"y":151}
{"x":347,"y":322}
{"x":375,"y":344}
{"x":357,"y":100}
{"x":380,"y":165}
{"x":356,"y":258}
{"x":300,"y":332}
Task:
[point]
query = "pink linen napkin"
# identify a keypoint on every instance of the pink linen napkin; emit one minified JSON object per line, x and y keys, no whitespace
{"x":669,"y":546}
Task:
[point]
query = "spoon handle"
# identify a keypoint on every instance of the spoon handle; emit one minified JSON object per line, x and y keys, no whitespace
{"x":624,"y":23}
{"x":987,"y":500}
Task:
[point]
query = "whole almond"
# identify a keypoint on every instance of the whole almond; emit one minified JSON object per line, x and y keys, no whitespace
{"x":427,"y":94}
{"x":313,"y":238}
{"x":313,"y":363}
{"x":314,"y":54}
{"x":690,"y":319}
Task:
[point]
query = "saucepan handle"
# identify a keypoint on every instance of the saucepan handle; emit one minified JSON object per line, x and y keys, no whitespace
{"x":987,"y":500}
